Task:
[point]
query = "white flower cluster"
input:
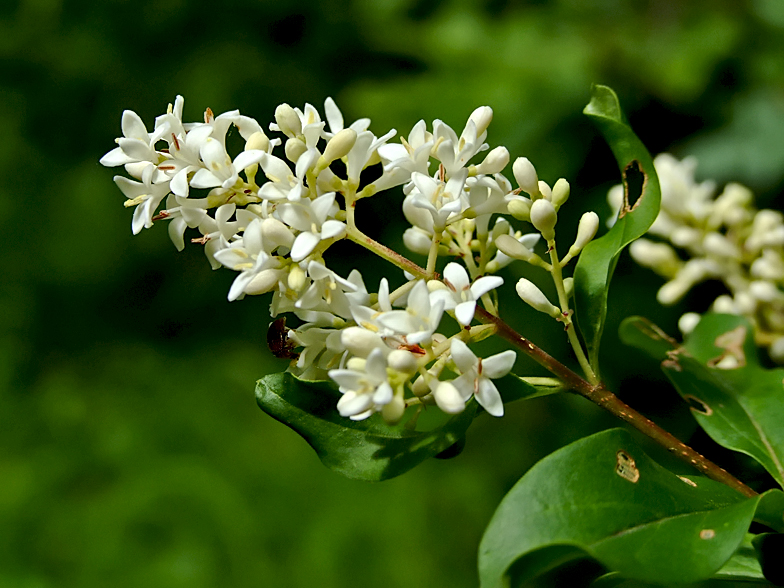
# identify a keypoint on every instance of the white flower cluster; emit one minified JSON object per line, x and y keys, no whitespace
{"x":710,"y":237}
{"x":271,"y":218}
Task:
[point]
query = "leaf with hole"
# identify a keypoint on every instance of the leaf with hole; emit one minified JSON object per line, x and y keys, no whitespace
{"x":739,"y":403}
{"x":604,"y":498}
{"x":366,"y":450}
{"x":642,"y":196}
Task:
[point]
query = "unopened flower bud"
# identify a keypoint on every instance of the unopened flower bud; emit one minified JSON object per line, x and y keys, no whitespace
{"x":420,"y":387}
{"x":525,"y":175}
{"x":340,"y":145}
{"x":448,"y":398}
{"x":659,"y":257}
{"x":482,"y":117}
{"x":257,"y":140}
{"x":776,"y":350}
{"x":402,"y":361}
{"x":719,"y":245}
{"x":495,"y":161}
{"x":288,"y":120}
{"x":297,"y":278}
{"x":393,"y":410}
{"x":724,"y":304}
{"x":294,"y":149}
{"x":544,"y":217}
{"x":417,"y":241}
{"x":276,"y":233}
{"x":520,"y":208}
{"x":545,"y":190}
{"x":764,"y":291}
{"x":535,"y":298}
{"x":263,"y":282}
{"x":586,"y":230}
{"x":560,"y":193}
{"x":510,"y":246}
{"x":569,"y":286}
{"x":688,"y":321}
{"x":360,"y":342}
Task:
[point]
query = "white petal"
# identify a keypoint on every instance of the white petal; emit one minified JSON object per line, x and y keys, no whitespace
{"x":247,"y":158}
{"x":498,"y":365}
{"x":334,"y":116}
{"x":484,"y":284}
{"x":303,"y":246}
{"x":115,"y":157}
{"x":204,"y":178}
{"x":333,"y":228}
{"x":133,"y":127}
{"x":448,"y":398}
{"x":464,"y":312}
{"x":464,"y":358}
{"x":457,"y":276}
{"x":487,"y":395}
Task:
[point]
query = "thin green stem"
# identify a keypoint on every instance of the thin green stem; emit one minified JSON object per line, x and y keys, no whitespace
{"x":563,"y":301}
{"x":432,"y":255}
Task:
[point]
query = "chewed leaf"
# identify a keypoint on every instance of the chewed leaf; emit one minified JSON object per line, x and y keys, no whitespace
{"x":738,"y":402}
{"x":603,"y":497}
{"x":366,"y":450}
{"x":642,"y":196}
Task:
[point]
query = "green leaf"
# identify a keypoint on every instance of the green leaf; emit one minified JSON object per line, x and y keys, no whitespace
{"x":769,"y":548}
{"x":597,"y":262}
{"x":738,"y":402}
{"x":603,"y":497}
{"x":365,"y":450}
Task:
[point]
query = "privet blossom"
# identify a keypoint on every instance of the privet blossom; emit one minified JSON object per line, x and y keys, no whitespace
{"x":702,"y":236}
{"x":271,"y":212}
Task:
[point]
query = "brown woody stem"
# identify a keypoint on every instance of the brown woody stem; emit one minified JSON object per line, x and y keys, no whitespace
{"x":607,"y":400}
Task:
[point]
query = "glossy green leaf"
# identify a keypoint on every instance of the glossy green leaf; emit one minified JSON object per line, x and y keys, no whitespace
{"x":642,"y":196}
{"x":603,"y":497}
{"x":743,"y":569}
{"x":738,"y":402}
{"x":366,"y":450}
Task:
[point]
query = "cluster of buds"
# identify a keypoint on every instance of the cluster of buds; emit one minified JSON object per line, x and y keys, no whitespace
{"x":271,"y":218}
{"x":722,"y":238}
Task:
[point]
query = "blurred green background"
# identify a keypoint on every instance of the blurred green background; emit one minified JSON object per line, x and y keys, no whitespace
{"x":131,"y":449}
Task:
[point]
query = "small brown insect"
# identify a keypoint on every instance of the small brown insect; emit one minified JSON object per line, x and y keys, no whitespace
{"x":278,"y":340}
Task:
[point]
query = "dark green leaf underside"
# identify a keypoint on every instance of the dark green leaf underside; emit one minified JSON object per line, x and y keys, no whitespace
{"x":738,"y":402}
{"x":366,"y":450}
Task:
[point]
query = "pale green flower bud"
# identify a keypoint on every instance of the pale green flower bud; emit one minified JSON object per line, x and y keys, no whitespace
{"x":494,"y":163}
{"x":448,"y":398}
{"x":560,"y":193}
{"x":720,"y":246}
{"x":659,"y":257}
{"x":276,"y":232}
{"x":535,"y":298}
{"x":586,"y":230}
{"x":393,"y":411}
{"x":569,"y":286}
{"x":544,"y":217}
{"x":520,"y":208}
{"x":257,"y":140}
{"x":688,"y":321}
{"x":513,"y":248}
{"x":340,"y":145}
{"x":360,"y":342}
{"x":420,"y":387}
{"x":545,"y":190}
{"x":263,"y":282}
{"x":402,"y":361}
{"x":288,"y":120}
{"x":482,"y":117}
{"x":776,"y":350}
{"x":297,"y":278}
{"x":525,"y":175}
{"x":294,"y":149}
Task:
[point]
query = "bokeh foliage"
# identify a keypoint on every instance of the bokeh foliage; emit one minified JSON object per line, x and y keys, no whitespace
{"x":131,"y":450}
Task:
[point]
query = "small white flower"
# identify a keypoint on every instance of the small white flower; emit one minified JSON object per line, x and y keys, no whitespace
{"x":365,"y":388}
{"x":459,"y":294}
{"x":417,"y":323}
{"x":476,"y":374}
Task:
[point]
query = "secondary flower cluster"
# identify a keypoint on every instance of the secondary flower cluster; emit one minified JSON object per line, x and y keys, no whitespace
{"x":271,"y":218}
{"x":723,"y":238}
